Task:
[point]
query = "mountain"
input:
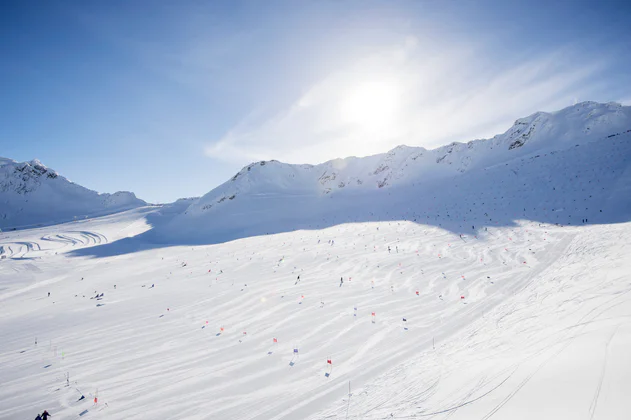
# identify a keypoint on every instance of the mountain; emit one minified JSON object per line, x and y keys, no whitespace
{"x":32,"y":194}
{"x":273,"y":196}
{"x":366,"y":304}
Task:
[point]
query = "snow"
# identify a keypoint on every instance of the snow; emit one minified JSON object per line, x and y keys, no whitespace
{"x":32,"y":195}
{"x":540,"y":134}
{"x":520,"y":261}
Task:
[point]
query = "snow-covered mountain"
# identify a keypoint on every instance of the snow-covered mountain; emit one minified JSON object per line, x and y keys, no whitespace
{"x":488,"y":281}
{"x":578,"y":124}
{"x":271,"y":190}
{"x":32,"y":194}
{"x":265,"y":195}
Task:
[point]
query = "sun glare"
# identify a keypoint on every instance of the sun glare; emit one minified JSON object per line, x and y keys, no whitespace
{"x":371,"y":105}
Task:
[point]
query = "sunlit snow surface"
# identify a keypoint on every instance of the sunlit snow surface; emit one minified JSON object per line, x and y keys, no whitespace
{"x":543,"y":331}
{"x":513,"y":279}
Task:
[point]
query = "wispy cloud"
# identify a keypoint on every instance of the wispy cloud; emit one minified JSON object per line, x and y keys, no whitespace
{"x":441,"y":94}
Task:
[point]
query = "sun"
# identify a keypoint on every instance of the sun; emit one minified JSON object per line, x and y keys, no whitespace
{"x":371,"y":105}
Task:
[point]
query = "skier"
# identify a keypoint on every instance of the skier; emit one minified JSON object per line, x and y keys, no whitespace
{"x":388,"y":249}
{"x":48,"y":294}
{"x":45,"y":415}
{"x":341,"y":281}
{"x":38,"y":417}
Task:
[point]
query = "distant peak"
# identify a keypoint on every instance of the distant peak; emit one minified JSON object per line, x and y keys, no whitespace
{"x":36,"y":162}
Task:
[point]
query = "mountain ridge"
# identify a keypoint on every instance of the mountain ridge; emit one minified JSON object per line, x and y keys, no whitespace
{"x":33,"y":194}
{"x":542,"y":131}
{"x":28,"y":190}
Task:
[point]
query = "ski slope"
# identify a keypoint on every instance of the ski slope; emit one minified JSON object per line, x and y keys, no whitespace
{"x":543,"y":330}
{"x":498,"y":292}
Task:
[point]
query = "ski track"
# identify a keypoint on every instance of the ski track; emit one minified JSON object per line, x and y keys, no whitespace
{"x":562,"y":338}
{"x":55,"y":242}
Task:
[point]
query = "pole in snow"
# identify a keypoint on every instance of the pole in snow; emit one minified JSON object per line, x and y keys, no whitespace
{"x":294,"y":358}
{"x":274,"y":345}
{"x":330,"y":363}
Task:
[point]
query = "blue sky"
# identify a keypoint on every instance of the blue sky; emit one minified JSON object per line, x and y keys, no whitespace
{"x":169,"y":99}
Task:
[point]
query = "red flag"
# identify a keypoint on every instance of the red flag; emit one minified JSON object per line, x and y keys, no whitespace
{"x":461,"y":297}
{"x":275,"y":341}
{"x":373,"y":314}
{"x":329,"y":361}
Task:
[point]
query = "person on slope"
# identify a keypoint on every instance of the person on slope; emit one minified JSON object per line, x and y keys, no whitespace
{"x":341,"y":281}
{"x":45,"y":415}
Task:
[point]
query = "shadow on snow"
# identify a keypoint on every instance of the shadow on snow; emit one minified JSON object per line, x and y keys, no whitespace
{"x":590,"y":184}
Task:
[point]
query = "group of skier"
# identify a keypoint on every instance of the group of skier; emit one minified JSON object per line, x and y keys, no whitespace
{"x":43,"y":416}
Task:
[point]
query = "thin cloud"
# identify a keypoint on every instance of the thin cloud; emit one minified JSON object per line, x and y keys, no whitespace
{"x":442,"y":95}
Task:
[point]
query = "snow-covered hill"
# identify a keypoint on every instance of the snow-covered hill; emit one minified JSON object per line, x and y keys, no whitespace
{"x":521,"y":322}
{"x":266,"y":192}
{"x":32,"y":194}
{"x":481,"y":281}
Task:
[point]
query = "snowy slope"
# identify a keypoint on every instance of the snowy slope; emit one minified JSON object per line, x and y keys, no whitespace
{"x":285,"y":191}
{"x":500,"y":290}
{"x":32,"y":194}
{"x":521,"y":322}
